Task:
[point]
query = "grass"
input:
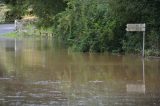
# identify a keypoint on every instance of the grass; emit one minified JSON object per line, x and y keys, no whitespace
{"x":32,"y":30}
{"x":10,"y":35}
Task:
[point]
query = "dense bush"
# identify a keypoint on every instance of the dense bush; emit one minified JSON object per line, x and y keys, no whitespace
{"x":87,"y":26}
{"x":99,"y":25}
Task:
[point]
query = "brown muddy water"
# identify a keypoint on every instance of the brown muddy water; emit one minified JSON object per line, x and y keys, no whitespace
{"x":40,"y":72}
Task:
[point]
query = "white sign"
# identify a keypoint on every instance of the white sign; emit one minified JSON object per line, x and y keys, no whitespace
{"x":139,"y":88}
{"x":136,"y":27}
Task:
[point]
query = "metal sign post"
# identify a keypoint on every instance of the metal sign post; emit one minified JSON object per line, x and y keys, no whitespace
{"x":138,"y":28}
{"x":143,"y":42}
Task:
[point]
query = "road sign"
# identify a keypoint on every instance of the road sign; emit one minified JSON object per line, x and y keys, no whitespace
{"x":135,"y":27}
{"x":139,"y":28}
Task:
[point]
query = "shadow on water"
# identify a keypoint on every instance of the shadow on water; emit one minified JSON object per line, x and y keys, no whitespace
{"x":40,"y":72}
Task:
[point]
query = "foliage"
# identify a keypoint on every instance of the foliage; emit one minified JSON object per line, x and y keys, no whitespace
{"x":138,"y":11}
{"x":46,"y":10}
{"x":17,"y":9}
{"x":3,"y":10}
{"x":86,"y":26}
{"x":98,"y":25}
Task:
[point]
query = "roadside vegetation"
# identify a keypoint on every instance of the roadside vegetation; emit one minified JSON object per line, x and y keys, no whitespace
{"x":95,"y":25}
{"x":3,"y":10}
{"x":10,"y":35}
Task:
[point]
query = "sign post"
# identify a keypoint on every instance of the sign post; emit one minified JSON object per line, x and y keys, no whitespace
{"x":138,"y":28}
{"x":143,"y":42}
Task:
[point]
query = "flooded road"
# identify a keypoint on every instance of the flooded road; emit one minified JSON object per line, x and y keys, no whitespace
{"x":40,"y":72}
{"x":6,"y":28}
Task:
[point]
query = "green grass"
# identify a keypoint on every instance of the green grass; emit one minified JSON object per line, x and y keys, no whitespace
{"x":10,"y":35}
{"x":33,"y":31}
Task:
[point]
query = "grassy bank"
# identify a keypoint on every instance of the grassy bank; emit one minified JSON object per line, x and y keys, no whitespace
{"x":29,"y":31}
{"x":10,"y":35}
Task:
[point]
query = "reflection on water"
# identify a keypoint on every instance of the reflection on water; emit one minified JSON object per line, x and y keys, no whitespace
{"x":40,"y":72}
{"x":139,"y":88}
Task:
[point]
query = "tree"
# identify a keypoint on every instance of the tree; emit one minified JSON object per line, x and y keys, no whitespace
{"x":97,"y":25}
{"x":17,"y":9}
{"x":46,"y":10}
{"x":137,"y":11}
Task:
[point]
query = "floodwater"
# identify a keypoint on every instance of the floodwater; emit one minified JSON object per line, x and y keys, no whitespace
{"x":41,"y":72}
{"x":5,"y":28}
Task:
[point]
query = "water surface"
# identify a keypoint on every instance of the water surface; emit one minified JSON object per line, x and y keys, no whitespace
{"x":40,"y":72}
{"x":6,"y":28}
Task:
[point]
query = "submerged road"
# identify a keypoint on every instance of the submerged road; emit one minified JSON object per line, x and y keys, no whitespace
{"x":6,"y":28}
